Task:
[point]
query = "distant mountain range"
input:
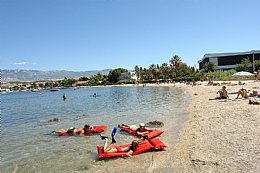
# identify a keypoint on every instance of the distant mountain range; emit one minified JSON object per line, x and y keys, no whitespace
{"x":37,"y":75}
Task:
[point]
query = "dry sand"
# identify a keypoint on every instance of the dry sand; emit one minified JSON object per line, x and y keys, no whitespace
{"x":219,"y":136}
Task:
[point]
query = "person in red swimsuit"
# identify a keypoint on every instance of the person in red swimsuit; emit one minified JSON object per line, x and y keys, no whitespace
{"x":113,"y":149}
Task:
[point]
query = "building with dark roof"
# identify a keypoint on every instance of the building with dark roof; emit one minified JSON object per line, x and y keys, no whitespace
{"x":226,"y":61}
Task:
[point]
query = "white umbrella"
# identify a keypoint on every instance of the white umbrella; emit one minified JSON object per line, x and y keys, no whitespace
{"x":242,"y":73}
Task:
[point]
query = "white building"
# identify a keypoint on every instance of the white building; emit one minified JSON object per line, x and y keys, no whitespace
{"x":130,"y":75}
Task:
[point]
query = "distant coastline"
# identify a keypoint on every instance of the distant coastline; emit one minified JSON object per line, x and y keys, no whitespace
{"x":23,"y":75}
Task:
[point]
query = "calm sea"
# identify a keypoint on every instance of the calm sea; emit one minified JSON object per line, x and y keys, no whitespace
{"x":27,"y":144}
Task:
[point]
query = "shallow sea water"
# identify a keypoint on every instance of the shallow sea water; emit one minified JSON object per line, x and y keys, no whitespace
{"x":27,"y":144}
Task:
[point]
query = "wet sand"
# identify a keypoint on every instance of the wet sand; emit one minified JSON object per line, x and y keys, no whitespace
{"x":219,"y":136}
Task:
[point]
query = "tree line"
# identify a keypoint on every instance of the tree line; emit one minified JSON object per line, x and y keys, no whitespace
{"x":175,"y":69}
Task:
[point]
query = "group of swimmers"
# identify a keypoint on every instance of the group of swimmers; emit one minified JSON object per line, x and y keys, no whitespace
{"x":64,"y":96}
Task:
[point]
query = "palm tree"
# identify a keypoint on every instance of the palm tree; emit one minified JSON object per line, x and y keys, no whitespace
{"x":175,"y":62}
{"x":153,"y":69}
{"x":209,"y":67}
{"x":165,"y":70}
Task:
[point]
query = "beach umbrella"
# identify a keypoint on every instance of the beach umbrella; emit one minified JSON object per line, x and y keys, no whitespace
{"x":242,"y":73}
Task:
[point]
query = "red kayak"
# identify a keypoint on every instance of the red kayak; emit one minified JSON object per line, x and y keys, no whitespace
{"x":94,"y":129}
{"x":147,"y":135}
{"x":150,"y":144}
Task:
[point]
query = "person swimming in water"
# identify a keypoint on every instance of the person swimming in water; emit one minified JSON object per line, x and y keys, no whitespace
{"x":64,"y":97}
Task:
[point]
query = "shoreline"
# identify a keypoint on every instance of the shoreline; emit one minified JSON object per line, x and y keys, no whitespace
{"x":212,"y":136}
{"x":219,"y":136}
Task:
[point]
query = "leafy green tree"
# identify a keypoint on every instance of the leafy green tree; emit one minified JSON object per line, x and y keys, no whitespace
{"x":244,"y":65}
{"x":257,"y":64}
{"x":97,"y":79}
{"x":34,"y":85}
{"x":49,"y":84}
{"x":71,"y":81}
{"x":185,"y":70}
{"x":113,"y":75}
{"x":41,"y":85}
{"x":66,"y":82}
{"x":83,"y":79}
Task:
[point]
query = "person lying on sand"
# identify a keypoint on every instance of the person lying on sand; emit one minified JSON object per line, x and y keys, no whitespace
{"x":254,"y":94}
{"x":240,"y":83}
{"x":254,"y":102}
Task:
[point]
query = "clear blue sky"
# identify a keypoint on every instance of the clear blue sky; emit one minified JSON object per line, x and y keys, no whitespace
{"x":85,"y":35}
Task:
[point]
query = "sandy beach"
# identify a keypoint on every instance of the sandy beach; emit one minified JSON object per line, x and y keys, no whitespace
{"x":219,"y":135}
{"x":202,"y":135}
